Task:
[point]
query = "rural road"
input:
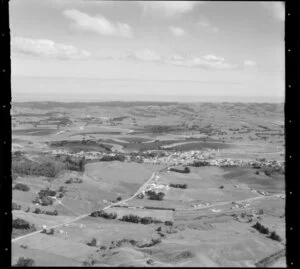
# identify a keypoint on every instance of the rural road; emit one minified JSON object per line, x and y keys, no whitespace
{"x":142,"y":188}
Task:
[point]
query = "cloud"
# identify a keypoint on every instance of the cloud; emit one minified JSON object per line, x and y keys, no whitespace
{"x":146,"y":54}
{"x":205,"y":62}
{"x":249,"y":63}
{"x":207,"y":26}
{"x":276,"y":8}
{"x":98,"y":24}
{"x":79,"y":3}
{"x":169,"y":8}
{"x":47,"y":48}
{"x":177,"y":31}
{"x":211,"y":57}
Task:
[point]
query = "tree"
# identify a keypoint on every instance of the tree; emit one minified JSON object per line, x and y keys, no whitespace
{"x":25,"y":262}
{"x":82,"y":164}
{"x":37,"y":211}
{"x":146,"y":220}
{"x":51,"y":232}
{"x":93,"y":242}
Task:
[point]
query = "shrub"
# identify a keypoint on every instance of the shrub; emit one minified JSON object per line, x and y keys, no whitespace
{"x":51,"y":213}
{"x":93,"y":242}
{"x":186,"y":170}
{"x":14,"y":176}
{"x":119,"y":198}
{"x":256,"y":172}
{"x":150,"y":261}
{"x":152,"y":243}
{"x":15,"y":206}
{"x":21,"y":187}
{"x":74,"y":180}
{"x":221,"y":187}
{"x":25,"y":262}
{"x":61,"y":189}
{"x":267,"y":173}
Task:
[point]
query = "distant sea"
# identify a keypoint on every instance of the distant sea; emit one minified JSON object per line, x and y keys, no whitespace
{"x":25,"y":89}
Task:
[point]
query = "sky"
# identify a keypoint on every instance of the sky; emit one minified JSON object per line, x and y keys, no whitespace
{"x":68,"y":49}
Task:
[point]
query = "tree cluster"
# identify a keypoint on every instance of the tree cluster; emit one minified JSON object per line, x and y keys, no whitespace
{"x":15,"y":206}
{"x":43,"y":197}
{"x":181,"y":186}
{"x":143,"y":220}
{"x":262,"y":229}
{"x":152,"y":195}
{"x":275,"y":236}
{"x":21,"y":187}
{"x":186,"y":170}
{"x":117,"y":157}
{"x":200,"y":163}
{"x":22,"y":224}
{"x":24,"y":262}
{"x":51,"y":213}
{"x":104,"y":214}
